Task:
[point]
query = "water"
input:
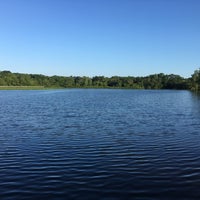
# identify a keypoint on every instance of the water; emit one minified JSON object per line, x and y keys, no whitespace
{"x":99,"y":144}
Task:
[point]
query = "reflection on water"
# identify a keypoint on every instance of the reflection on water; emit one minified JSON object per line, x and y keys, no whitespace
{"x":99,"y":144}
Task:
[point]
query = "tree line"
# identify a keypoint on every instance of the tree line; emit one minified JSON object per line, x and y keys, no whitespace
{"x":155,"y":81}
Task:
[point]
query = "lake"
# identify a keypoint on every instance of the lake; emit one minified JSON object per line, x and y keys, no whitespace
{"x":99,"y":144}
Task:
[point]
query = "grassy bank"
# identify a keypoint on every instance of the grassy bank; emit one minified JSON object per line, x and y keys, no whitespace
{"x":22,"y":87}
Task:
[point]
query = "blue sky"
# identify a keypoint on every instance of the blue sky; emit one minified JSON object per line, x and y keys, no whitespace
{"x":100,"y":37}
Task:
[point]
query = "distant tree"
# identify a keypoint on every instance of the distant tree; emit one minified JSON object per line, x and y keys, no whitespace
{"x":99,"y":81}
{"x":195,"y":80}
{"x":69,"y":82}
{"x":114,"y":81}
{"x":155,"y":81}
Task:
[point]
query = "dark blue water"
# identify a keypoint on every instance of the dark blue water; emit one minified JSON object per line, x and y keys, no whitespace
{"x":99,"y":144}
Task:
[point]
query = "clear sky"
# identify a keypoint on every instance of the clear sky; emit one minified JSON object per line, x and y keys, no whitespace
{"x":100,"y":37}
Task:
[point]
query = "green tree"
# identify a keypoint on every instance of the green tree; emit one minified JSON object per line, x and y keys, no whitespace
{"x":195,"y":80}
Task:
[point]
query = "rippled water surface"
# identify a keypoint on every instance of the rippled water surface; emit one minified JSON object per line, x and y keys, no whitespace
{"x":99,"y":144}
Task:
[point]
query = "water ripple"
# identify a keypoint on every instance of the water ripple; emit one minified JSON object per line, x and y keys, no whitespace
{"x":99,"y":144}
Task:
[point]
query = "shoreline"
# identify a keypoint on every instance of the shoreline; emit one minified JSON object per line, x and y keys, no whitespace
{"x":58,"y":88}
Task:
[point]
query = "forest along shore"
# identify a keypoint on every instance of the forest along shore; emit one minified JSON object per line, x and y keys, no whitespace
{"x":9,"y":80}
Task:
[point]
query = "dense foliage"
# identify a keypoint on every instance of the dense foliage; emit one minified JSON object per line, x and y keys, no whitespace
{"x":155,"y":81}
